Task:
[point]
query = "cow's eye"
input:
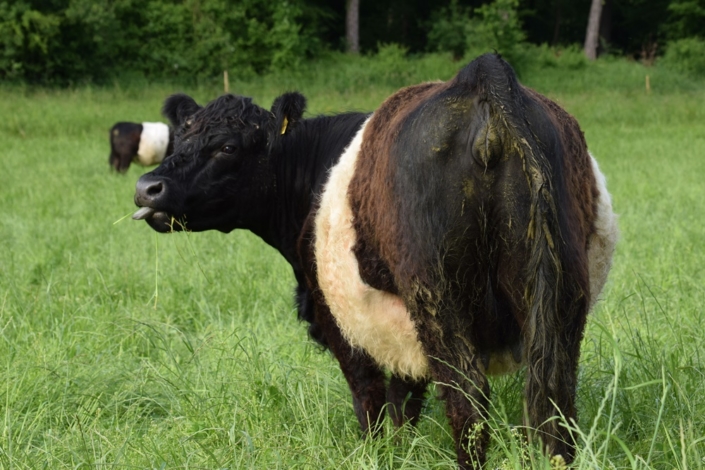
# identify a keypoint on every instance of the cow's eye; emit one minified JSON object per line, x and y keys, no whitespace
{"x":228,"y":149}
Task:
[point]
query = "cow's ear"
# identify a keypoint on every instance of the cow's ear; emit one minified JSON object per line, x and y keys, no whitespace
{"x":288,"y":110}
{"x":179,"y":107}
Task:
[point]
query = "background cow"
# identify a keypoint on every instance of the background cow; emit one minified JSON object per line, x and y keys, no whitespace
{"x":464,"y":231}
{"x":146,"y":144}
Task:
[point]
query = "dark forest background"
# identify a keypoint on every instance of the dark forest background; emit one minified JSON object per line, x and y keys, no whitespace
{"x":77,"y":41}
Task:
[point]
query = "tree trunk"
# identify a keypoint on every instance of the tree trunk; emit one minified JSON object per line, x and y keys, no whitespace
{"x":352,"y":26}
{"x":593,"y":29}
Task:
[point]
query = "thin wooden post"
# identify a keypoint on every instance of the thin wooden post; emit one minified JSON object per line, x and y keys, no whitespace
{"x":226,"y":82}
{"x":648,"y":85}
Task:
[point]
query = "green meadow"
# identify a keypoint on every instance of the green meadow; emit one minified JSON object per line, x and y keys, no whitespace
{"x":122,"y":348}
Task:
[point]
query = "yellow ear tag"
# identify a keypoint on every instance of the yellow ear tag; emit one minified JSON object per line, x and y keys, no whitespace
{"x":284,"y":124}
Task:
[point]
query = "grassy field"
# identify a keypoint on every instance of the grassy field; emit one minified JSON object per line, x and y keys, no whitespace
{"x":121,"y":348}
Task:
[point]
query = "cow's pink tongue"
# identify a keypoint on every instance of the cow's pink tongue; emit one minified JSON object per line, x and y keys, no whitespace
{"x":143,"y":213}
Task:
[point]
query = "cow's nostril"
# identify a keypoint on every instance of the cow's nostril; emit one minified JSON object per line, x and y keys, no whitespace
{"x":155,"y":189}
{"x":150,"y":191}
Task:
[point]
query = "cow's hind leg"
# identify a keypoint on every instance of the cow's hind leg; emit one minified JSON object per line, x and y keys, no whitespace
{"x":552,"y":373}
{"x":465,"y":390}
{"x":459,"y":373}
{"x":405,"y":399}
{"x":466,"y":395}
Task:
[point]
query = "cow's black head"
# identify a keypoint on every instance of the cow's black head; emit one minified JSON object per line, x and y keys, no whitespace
{"x":220,"y":175}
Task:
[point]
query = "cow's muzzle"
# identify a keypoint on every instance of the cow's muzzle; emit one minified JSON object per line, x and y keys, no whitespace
{"x":152,"y":197}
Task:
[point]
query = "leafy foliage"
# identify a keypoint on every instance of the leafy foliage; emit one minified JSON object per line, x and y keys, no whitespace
{"x":73,"y":41}
{"x":687,"y":19}
{"x":493,"y":26}
{"x":85,"y":39}
{"x":570,"y":58}
{"x":499,"y":28}
{"x":25,"y":35}
{"x":687,"y":55}
{"x":449,"y":29}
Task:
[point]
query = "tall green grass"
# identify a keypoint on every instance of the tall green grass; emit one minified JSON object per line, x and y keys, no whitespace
{"x":121,"y":348}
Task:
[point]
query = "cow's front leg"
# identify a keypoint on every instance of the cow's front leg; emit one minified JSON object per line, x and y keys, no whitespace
{"x":365,"y":378}
{"x":405,"y":399}
{"x":366,"y":382}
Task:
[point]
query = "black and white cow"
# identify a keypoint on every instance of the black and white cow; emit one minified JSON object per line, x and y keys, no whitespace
{"x":146,"y":144}
{"x":461,"y":230}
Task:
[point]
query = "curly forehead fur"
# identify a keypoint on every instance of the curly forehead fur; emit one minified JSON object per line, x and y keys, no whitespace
{"x":231,"y":111}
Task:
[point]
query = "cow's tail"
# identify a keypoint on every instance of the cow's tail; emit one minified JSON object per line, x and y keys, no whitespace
{"x":555,"y":305}
{"x":552,"y":296}
{"x":550,"y":351}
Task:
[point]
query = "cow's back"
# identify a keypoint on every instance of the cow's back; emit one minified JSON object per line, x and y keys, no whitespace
{"x":456,"y":178}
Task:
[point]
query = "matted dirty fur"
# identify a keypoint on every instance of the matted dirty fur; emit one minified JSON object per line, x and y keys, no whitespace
{"x":378,"y":321}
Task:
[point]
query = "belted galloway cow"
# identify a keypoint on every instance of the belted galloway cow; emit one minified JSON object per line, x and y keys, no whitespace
{"x":460,"y":230}
{"x":144,"y":143}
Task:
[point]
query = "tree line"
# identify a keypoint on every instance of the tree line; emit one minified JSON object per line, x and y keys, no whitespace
{"x":70,"y":41}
